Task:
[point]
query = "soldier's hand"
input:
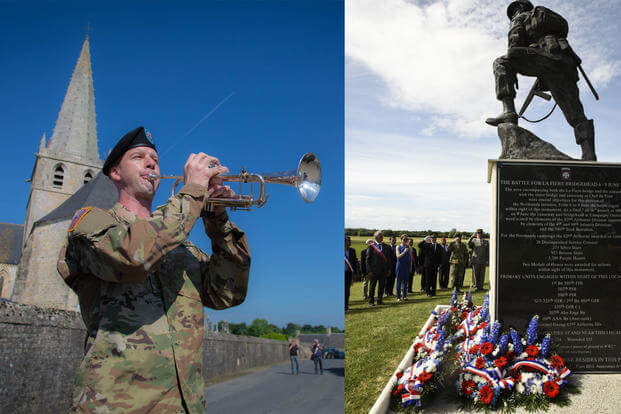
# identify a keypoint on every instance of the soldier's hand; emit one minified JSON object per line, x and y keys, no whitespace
{"x":201,"y":168}
{"x":217,"y":190}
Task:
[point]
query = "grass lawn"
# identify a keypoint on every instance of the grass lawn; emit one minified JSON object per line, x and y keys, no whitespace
{"x":378,"y":337}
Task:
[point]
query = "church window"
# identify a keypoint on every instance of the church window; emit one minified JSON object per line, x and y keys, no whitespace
{"x":59,"y":174}
{"x":88,"y":176}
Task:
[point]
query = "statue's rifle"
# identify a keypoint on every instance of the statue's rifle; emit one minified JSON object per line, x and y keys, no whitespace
{"x":534,"y":91}
{"x":565,"y":45}
{"x":586,"y":78}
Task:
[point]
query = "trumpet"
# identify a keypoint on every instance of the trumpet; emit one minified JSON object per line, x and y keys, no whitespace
{"x":306,"y":178}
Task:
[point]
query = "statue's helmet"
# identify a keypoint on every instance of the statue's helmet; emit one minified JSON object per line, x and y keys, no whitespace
{"x":525,"y":4}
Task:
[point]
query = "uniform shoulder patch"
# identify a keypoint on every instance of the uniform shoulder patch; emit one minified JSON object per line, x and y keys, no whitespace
{"x":90,"y":219}
{"x":77,"y":217}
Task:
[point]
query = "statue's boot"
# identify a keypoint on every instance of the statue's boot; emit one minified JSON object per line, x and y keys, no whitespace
{"x":585,"y":137}
{"x":508,"y":114}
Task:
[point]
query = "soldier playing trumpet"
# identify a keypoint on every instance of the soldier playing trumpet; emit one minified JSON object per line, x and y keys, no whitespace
{"x":142,"y":285}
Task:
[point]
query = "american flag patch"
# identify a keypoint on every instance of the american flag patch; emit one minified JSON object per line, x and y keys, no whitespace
{"x":79,"y":215}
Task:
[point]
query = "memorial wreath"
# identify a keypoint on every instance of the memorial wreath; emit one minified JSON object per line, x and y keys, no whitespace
{"x":489,"y":369}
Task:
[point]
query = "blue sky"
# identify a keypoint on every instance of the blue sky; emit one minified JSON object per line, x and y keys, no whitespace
{"x":419,"y":86}
{"x":165,"y":65}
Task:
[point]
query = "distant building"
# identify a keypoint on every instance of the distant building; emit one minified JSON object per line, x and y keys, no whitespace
{"x":65,"y":177}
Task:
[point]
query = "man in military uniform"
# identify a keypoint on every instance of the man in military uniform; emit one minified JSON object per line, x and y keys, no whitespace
{"x":142,"y":285}
{"x":480,"y":258}
{"x":538,"y":47}
{"x":458,"y":259}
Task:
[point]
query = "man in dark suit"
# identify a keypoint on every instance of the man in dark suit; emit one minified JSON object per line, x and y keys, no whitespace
{"x":431,"y":257}
{"x":351,"y":267}
{"x":390,"y":282}
{"x":445,"y":264}
{"x":363,"y":269}
{"x":378,"y":265}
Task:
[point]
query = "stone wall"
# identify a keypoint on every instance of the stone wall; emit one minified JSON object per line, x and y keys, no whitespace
{"x":335,"y":340}
{"x":41,"y":349}
{"x":225,"y":354}
{"x":8,"y":272}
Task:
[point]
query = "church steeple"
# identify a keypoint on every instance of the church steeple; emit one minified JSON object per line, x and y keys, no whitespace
{"x":75,"y":132}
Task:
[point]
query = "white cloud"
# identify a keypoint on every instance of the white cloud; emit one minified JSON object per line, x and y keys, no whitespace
{"x":437,"y":57}
{"x":391,"y":184}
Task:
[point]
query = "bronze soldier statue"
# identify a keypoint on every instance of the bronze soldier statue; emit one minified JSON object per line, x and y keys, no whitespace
{"x":538,"y":47}
{"x":142,"y":285}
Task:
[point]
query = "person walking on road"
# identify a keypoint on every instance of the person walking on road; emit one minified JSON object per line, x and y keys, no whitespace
{"x":293,"y":355}
{"x":317,"y":355}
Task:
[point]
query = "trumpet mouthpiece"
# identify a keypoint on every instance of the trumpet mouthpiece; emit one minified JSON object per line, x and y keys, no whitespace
{"x":153,"y":176}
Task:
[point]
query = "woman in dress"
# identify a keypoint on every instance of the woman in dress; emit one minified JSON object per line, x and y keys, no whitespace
{"x":404,"y":265}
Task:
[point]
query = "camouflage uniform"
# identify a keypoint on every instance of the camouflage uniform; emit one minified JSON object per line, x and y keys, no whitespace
{"x":480,"y":258}
{"x":458,"y":261}
{"x":142,"y":287}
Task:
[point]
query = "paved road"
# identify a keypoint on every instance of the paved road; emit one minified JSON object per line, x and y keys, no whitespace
{"x":275,"y":390}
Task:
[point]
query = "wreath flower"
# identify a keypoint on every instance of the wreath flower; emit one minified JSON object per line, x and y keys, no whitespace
{"x":551,"y":388}
{"x":532,"y":350}
{"x":557,"y":361}
{"x":424,"y":377}
{"x":486,"y":393}
{"x":487,"y":348}
{"x":500,"y":362}
{"x":479,"y":363}
{"x":467,"y":387}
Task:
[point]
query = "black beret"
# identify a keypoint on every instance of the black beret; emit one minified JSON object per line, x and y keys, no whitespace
{"x":138,"y":137}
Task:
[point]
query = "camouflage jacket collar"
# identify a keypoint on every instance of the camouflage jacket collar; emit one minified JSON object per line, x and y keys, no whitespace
{"x":123,"y":214}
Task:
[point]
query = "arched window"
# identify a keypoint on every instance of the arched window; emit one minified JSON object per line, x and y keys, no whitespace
{"x":88,"y":176}
{"x":59,"y":175}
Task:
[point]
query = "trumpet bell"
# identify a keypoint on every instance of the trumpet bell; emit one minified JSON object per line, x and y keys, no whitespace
{"x":308,"y":180}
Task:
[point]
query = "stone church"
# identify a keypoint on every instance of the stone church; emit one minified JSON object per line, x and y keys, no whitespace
{"x":65,"y":177}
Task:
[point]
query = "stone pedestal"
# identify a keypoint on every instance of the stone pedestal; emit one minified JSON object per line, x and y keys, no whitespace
{"x":555,"y":251}
{"x":521,"y":144}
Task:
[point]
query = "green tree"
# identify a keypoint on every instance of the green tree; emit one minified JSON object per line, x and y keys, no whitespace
{"x":238,"y":328}
{"x":290,"y":329}
{"x":273,"y":328}
{"x":275,"y":335}
{"x":258,"y":327}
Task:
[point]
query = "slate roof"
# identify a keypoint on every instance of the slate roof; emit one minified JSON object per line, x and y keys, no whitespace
{"x":99,"y":192}
{"x":11,"y":237}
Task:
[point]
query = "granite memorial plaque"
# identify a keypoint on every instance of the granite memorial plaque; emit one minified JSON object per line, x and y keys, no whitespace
{"x":558,"y":253}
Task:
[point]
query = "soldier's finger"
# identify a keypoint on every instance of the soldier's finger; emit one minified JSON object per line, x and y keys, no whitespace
{"x":213,"y":160}
{"x":189,"y":160}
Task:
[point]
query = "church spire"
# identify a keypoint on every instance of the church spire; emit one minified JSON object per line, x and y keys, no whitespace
{"x":75,"y":132}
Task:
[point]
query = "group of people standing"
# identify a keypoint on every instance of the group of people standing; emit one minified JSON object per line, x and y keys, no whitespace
{"x":316,"y":356}
{"x":381,"y":265}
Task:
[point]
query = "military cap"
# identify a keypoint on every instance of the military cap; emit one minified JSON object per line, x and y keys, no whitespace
{"x":517,"y":3}
{"x":138,"y":137}
{"x":479,"y":231}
